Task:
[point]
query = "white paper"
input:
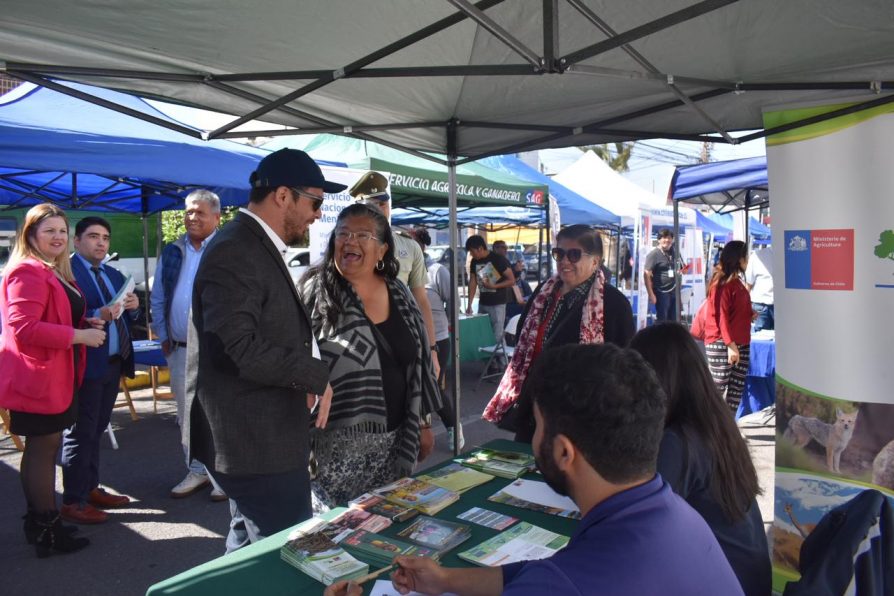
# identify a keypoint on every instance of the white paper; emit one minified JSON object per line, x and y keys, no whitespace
{"x":540,"y":493}
{"x":126,"y":289}
{"x":383,"y":587}
{"x":517,"y":550}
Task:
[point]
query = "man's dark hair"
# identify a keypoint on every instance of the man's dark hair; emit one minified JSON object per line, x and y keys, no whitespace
{"x":607,"y":401}
{"x":587,"y":237}
{"x":665,"y":233}
{"x":476,"y":241}
{"x":92,"y":220}
{"x":498,"y":243}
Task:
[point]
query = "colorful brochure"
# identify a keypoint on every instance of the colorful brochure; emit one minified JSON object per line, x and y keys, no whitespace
{"x":438,"y":534}
{"x":536,"y":496}
{"x":487,"y":518}
{"x":524,"y":542}
{"x":418,"y":494}
{"x":456,"y":477}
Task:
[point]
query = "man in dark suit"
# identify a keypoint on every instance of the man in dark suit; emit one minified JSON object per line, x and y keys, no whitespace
{"x":252,"y":362}
{"x":82,"y":493}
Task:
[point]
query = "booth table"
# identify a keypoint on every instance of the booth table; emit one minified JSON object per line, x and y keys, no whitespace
{"x":257,"y":569}
{"x":760,"y":384}
{"x":148,"y":353}
{"x":475,"y":331}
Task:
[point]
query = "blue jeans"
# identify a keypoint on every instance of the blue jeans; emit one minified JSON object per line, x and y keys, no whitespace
{"x":765,"y":316}
{"x":665,"y":306}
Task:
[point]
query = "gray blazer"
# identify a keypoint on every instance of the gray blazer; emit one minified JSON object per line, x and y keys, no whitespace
{"x":249,"y":360}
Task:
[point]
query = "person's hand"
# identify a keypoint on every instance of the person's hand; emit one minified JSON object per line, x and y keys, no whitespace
{"x":166,"y":347}
{"x":426,"y":443}
{"x":92,"y":338}
{"x":485,"y":283}
{"x":754,"y":316}
{"x":131,"y":301}
{"x":653,"y":298}
{"x":435,"y":364}
{"x":732,"y":354}
{"x":324,"y":403}
{"x":96,"y":323}
{"x":469,"y":309}
{"x":343,"y":588}
{"x":419,"y":574}
{"x":109,"y":313}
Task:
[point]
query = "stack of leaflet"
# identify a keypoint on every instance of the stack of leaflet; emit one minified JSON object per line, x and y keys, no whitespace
{"x":317,"y":556}
{"x":456,"y":478}
{"x":379,"y":506}
{"x":354,"y":519}
{"x":417,"y":494}
{"x":505,"y":464}
{"x":379,"y":550}
{"x":524,"y":542}
{"x":438,"y":534}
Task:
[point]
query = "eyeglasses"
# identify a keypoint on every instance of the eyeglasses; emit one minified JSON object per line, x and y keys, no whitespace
{"x":573,"y":254}
{"x":344,"y":236}
{"x":317,"y":201}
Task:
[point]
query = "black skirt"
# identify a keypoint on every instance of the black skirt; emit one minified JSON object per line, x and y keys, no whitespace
{"x":26,"y":424}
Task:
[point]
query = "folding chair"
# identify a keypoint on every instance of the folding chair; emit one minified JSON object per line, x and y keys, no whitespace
{"x":498,"y":350}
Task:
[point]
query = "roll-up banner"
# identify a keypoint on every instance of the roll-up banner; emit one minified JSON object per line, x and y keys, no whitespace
{"x":833,"y":234}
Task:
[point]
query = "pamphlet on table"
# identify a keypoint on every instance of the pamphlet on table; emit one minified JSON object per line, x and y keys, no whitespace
{"x":536,"y":496}
{"x":456,"y":477}
{"x":487,"y":518}
{"x":438,"y":534}
{"x":319,"y":557}
{"x":524,"y":542}
{"x":505,"y":464}
{"x":379,"y":550}
{"x":418,"y":494}
{"x":379,"y":506}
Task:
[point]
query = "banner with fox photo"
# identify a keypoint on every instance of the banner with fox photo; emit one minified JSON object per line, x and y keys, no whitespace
{"x":832,"y":192}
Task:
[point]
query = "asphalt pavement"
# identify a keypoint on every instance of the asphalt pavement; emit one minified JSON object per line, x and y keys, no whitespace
{"x":158,"y":537}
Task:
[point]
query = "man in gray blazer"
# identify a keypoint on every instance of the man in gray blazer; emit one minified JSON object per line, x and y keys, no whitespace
{"x":254,"y":368}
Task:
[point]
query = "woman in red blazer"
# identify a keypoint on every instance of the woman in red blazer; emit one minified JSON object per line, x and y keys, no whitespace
{"x":728,"y":323}
{"x":42,"y":358}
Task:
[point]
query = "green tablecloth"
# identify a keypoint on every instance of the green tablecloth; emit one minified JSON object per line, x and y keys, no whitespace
{"x":257,"y":569}
{"x":475,"y":331}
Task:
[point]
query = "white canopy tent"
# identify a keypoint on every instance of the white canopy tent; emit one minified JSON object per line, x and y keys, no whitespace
{"x":469,"y":80}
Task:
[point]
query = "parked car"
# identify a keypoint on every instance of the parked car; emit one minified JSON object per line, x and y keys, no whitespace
{"x":297,"y":260}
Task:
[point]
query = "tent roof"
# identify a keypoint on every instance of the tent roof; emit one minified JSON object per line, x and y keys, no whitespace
{"x":505,"y":75}
{"x":420,"y":182}
{"x":573,"y":208}
{"x":55,"y":147}
{"x":724,"y":185}
{"x":595,"y":180}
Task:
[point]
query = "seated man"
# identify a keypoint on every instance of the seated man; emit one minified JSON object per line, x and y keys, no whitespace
{"x":600,"y":414}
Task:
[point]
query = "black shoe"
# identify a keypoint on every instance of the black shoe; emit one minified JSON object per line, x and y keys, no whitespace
{"x":52,"y":537}
{"x":32,"y":530}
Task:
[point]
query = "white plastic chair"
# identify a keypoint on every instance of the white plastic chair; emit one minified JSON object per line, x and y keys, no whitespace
{"x":498,"y":350}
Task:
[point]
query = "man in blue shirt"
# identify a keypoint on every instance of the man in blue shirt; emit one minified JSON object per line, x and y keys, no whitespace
{"x":82,"y":494}
{"x":170,"y":302}
{"x":600,"y":414}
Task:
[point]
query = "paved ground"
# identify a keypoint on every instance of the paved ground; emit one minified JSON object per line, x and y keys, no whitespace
{"x":159,"y":537}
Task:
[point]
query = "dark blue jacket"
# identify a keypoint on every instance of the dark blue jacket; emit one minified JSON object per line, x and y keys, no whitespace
{"x":98,"y":358}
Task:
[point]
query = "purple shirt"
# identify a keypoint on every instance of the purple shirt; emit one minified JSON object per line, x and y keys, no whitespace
{"x":643,"y":541}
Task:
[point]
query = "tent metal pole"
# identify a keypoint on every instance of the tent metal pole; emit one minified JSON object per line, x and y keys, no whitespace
{"x":144,"y":209}
{"x":678,"y":275}
{"x":455,"y":268}
{"x":618,"y":258}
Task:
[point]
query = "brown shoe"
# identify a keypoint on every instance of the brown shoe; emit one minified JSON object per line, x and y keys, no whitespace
{"x":83,"y":513}
{"x":100,"y":497}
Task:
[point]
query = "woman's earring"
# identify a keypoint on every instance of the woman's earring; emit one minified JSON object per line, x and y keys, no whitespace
{"x":380,"y":265}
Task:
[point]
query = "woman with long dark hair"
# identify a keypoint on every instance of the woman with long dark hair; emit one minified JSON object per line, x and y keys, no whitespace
{"x":42,"y":360}
{"x":703,"y":455}
{"x":372,"y":337}
{"x":728,"y":323}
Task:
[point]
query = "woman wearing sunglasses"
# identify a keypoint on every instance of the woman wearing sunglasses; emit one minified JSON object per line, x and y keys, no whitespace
{"x":576,"y":305}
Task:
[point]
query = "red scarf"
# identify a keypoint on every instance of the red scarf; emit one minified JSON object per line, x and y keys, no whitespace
{"x":531,"y":338}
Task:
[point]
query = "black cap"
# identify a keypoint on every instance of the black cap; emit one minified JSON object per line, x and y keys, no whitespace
{"x":292,"y":168}
{"x":371,"y":186}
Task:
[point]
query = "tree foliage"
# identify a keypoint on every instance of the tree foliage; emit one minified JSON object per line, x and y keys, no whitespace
{"x":885,"y":248}
{"x":616,"y":155}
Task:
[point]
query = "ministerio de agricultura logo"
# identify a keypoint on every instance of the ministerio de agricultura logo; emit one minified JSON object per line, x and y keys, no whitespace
{"x":885,"y":250}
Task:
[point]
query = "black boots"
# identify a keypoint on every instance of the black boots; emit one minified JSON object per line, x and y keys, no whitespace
{"x":47,"y":533}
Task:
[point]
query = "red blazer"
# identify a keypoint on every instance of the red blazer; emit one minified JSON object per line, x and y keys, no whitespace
{"x":728,"y":315}
{"x":36,"y":353}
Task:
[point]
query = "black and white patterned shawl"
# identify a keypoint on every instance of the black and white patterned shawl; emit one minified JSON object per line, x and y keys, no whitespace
{"x":349,"y":349}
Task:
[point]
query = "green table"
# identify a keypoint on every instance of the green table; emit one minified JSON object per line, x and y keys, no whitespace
{"x":475,"y":331}
{"x":257,"y":569}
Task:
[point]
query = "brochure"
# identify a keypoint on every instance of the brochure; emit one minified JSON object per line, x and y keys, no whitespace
{"x":505,"y":464}
{"x":418,"y":494}
{"x":127,"y":288}
{"x":438,"y":534}
{"x":319,"y":557}
{"x":524,"y":542}
{"x":379,"y":550}
{"x":379,"y":506}
{"x":456,"y":477}
{"x":488,"y":272}
{"x":487,"y":518}
{"x":536,"y":496}
{"x":354,"y":519}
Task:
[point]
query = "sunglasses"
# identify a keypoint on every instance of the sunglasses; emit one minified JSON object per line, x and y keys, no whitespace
{"x":316,"y":200}
{"x":573,"y":254}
